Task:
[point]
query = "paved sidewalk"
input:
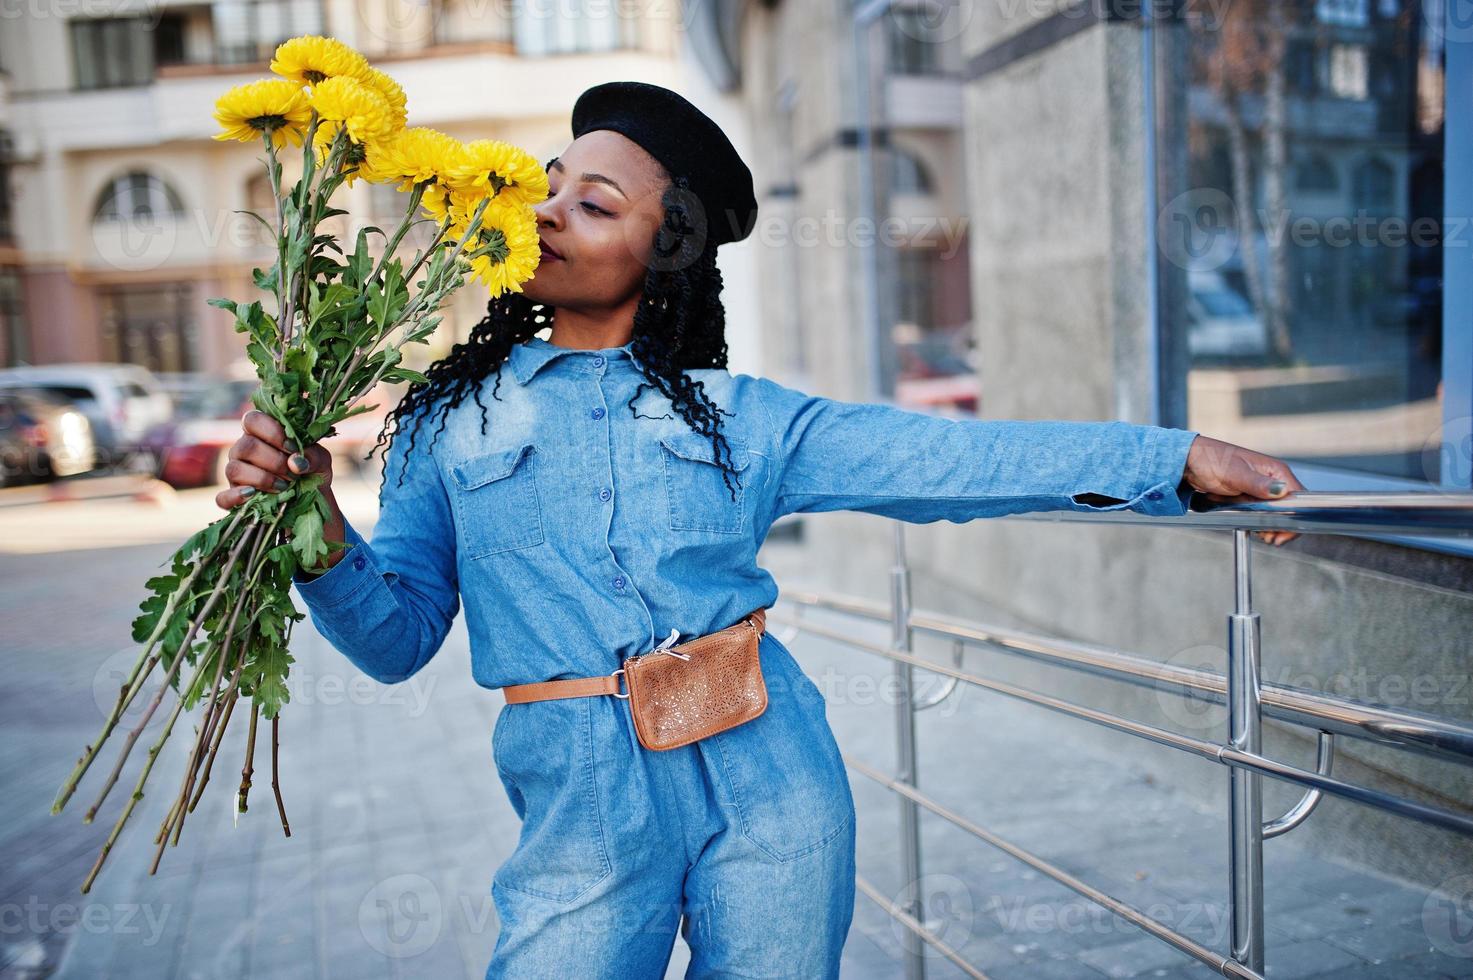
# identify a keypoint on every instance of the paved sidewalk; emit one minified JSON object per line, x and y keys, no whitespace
{"x":398,"y":823}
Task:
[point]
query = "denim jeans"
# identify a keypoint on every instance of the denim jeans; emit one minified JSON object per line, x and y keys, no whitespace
{"x":749,"y":833}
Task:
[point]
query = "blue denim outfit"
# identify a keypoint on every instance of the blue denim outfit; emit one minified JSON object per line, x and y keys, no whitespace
{"x":580,"y":534}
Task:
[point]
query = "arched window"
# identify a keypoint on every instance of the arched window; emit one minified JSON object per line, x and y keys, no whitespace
{"x":908,"y":174}
{"x":136,"y":196}
{"x":1316,"y":175}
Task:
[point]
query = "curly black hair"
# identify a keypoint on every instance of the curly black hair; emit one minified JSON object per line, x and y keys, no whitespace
{"x":680,"y":324}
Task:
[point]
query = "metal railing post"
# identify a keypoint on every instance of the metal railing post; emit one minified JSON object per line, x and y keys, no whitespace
{"x":1245,"y":788}
{"x":905,"y":757}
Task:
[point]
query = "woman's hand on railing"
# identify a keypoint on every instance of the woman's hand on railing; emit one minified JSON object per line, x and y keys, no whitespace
{"x":1229,"y":474}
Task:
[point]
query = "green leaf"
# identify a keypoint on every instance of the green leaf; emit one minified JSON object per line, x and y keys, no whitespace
{"x":387,"y":299}
{"x":271,"y":691}
{"x":307,"y":537}
{"x":405,"y":374}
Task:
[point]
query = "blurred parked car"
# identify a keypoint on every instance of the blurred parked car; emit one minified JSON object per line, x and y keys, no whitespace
{"x":191,"y":449}
{"x":42,"y":436}
{"x":183,"y":385}
{"x":1220,"y":320}
{"x":121,"y":401}
{"x":934,"y":375}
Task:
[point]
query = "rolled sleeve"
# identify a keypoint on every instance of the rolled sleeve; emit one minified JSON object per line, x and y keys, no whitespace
{"x":1167,"y":493}
{"x":355,"y":570}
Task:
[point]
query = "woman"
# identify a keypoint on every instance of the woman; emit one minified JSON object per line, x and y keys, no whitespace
{"x":615,"y":488}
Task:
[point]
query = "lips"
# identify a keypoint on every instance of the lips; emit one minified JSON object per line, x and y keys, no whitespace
{"x":548,"y":252}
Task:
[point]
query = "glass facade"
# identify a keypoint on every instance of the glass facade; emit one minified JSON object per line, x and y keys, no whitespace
{"x":1301,"y":229}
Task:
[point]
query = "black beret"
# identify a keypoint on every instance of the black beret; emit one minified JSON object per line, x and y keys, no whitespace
{"x":683,"y":138}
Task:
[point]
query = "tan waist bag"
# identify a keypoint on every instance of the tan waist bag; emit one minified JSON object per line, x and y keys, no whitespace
{"x":681,"y":693}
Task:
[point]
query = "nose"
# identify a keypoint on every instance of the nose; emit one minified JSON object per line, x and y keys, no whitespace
{"x":547,"y":213}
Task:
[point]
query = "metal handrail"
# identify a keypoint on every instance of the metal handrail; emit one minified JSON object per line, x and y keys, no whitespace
{"x":1399,"y":728}
{"x":1442,"y":513}
{"x":1240,"y":688}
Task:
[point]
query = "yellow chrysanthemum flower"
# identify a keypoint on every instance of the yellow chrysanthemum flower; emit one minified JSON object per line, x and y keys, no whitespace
{"x":504,"y":251}
{"x":310,"y":59}
{"x":391,"y":91}
{"x":441,"y":203}
{"x":414,"y":156}
{"x":344,"y":103}
{"x":502,"y":171}
{"x":273,"y":106}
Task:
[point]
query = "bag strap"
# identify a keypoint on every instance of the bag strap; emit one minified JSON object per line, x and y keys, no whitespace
{"x":577,"y":687}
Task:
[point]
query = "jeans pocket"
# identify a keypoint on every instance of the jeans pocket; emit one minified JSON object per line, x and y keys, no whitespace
{"x":784,"y":769}
{"x":544,"y":755}
{"x":695,"y":485}
{"x":496,"y":501}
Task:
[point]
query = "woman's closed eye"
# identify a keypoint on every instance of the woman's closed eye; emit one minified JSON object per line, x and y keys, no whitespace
{"x":588,"y":205}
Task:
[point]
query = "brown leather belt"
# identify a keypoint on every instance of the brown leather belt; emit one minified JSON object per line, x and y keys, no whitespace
{"x":578,"y":687}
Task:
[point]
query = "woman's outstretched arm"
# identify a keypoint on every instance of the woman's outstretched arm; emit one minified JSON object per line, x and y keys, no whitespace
{"x":881,"y":459}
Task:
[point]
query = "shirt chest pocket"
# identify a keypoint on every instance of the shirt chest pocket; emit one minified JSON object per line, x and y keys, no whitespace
{"x":696,"y":493}
{"x":496,"y":502}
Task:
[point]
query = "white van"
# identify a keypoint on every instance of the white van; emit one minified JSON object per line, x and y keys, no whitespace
{"x":120,"y":400}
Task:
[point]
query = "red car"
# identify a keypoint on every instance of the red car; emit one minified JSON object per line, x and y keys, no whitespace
{"x":192,"y":448}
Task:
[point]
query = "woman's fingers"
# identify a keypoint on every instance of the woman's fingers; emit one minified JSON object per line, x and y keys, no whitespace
{"x":262,"y":459}
{"x":256,"y":451}
{"x":247,"y":479}
{"x":257,"y":423}
{"x":1249,"y":477}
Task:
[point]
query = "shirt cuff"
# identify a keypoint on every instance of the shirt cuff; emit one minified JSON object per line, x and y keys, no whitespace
{"x":353,"y":571}
{"x":1167,"y":493}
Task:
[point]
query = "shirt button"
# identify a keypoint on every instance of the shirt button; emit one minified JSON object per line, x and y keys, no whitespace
{"x":619,"y":582}
{"x":358,"y":563}
{"x":598,"y":413}
{"x":1154,"y":495}
{"x":598,"y":362}
{"x":604,"y":494}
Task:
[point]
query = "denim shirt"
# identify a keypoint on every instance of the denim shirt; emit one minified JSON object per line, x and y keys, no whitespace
{"x":579,"y":534}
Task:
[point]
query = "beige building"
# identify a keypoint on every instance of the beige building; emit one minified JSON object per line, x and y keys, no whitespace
{"x":120,"y":214}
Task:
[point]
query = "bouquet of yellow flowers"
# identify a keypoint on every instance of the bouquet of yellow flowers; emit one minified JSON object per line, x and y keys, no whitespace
{"x":219,"y":621}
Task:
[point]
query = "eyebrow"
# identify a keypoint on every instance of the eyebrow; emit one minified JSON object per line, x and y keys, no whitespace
{"x":588,"y":178}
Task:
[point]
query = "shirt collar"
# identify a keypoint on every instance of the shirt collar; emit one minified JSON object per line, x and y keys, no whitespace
{"x":532,"y":354}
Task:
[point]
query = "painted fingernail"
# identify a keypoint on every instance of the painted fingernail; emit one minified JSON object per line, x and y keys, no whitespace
{"x":1276,"y":487}
{"x":291,"y":445}
{"x":281,"y":484}
{"x":247,"y":491}
{"x":300,"y":463}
